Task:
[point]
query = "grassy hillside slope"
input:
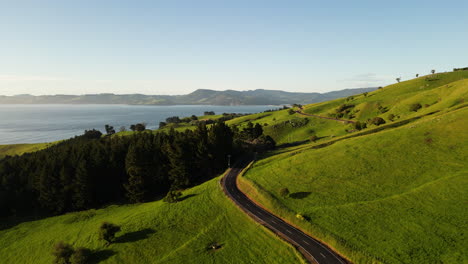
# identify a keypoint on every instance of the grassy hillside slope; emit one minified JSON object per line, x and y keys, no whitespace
{"x":392,"y":193}
{"x":155,"y":232}
{"x":433,"y":92}
{"x":396,"y":196}
{"x":19,"y":149}
{"x":438,"y":92}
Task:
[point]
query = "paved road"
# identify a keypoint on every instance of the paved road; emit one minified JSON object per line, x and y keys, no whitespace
{"x":309,"y":247}
{"x":324,"y":117}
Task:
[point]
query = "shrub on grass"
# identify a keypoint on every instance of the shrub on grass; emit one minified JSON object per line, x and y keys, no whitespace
{"x":284,"y":192}
{"x":107,"y":232}
{"x":382,"y":109}
{"x":138,"y":127}
{"x":80,"y":256}
{"x":173,"y":196}
{"x":359,"y":126}
{"x":62,"y":252}
{"x":300,"y":217}
{"x":377,"y":121}
{"x":391,"y":117}
{"x":313,"y":138}
{"x":291,"y":111}
{"x":415,"y":107}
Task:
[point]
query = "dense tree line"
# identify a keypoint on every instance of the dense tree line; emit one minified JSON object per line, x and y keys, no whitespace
{"x":92,"y":170}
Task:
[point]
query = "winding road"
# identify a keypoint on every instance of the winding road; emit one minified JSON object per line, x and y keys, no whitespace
{"x":312,"y":250}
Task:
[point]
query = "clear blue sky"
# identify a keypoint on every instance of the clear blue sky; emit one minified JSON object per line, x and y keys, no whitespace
{"x":175,"y":47}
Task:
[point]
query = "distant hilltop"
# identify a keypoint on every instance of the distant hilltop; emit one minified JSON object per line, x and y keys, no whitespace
{"x":198,"y":97}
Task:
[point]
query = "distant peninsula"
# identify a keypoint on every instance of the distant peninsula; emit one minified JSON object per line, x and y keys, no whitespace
{"x":198,"y":97}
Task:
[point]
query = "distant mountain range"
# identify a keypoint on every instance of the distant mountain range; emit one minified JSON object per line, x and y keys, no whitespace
{"x":198,"y":97}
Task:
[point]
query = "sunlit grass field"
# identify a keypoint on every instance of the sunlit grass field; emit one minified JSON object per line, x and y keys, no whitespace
{"x":438,"y":92}
{"x":394,"y":193}
{"x":397,"y":196}
{"x":155,"y":232}
{"x":19,"y":149}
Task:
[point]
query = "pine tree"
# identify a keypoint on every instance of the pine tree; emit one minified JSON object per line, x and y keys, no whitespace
{"x":82,"y":197}
{"x":135,"y":186}
{"x":49,"y":189}
{"x":220,"y":139}
{"x":180,"y":158}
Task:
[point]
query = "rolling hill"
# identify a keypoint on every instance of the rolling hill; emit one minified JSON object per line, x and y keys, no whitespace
{"x":389,"y":193}
{"x":392,"y":193}
{"x":198,"y":97}
{"x":155,"y":232}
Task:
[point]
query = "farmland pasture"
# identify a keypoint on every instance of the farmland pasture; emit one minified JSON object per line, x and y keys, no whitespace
{"x":397,"y":196}
{"x":154,"y":232}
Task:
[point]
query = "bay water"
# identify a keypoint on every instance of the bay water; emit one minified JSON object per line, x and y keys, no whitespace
{"x":46,"y":123}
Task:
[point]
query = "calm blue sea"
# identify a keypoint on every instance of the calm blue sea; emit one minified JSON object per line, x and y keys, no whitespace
{"x":45,"y":123}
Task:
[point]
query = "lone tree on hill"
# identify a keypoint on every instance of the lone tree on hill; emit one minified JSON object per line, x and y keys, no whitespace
{"x":432,"y":71}
{"x":417,"y":75}
{"x":173,"y":196}
{"x":109,"y":130}
{"x":377,"y":121}
{"x":62,"y":252}
{"x":415,"y":107}
{"x":138,"y":127}
{"x":107,"y":232}
{"x":297,"y":105}
{"x":81,"y":256}
{"x":359,"y":126}
{"x":398,"y":79}
{"x":284,"y":192}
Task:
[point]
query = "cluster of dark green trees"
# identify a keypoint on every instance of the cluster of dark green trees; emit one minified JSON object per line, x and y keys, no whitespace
{"x":89,"y":171}
{"x":460,"y":69}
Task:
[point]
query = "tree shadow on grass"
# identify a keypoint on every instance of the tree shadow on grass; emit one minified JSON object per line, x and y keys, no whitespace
{"x":299,"y":195}
{"x":186,"y":197}
{"x":101,"y":255}
{"x":135,"y":236}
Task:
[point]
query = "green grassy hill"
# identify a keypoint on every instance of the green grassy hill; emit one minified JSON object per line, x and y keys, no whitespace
{"x":438,"y":92}
{"x":155,"y":232}
{"x":19,"y":149}
{"x":392,"y":194}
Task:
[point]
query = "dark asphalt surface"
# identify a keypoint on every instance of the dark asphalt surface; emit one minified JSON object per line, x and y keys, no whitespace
{"x":314,"y":251}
